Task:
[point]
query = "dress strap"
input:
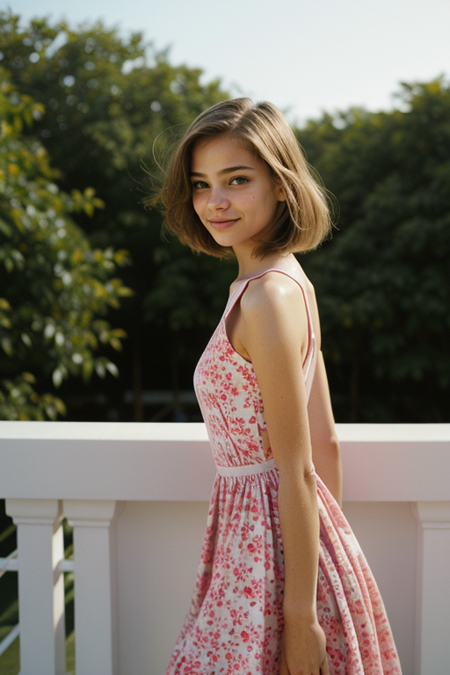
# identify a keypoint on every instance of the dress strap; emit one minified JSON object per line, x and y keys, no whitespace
{"x":236,"y":296}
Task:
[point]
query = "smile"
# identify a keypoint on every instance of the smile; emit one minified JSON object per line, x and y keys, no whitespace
{"x":222,"y":224}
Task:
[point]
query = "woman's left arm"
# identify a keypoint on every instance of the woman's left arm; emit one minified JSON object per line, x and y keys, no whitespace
{"x":274,"y":329}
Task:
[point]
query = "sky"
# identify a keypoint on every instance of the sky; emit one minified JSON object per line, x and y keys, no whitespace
{"x":305,"y":56}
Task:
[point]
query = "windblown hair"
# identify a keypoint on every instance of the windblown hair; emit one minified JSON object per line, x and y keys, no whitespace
{"x":304,"y":220}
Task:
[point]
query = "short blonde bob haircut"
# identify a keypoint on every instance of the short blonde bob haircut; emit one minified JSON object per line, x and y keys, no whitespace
{"x":302,"y":223}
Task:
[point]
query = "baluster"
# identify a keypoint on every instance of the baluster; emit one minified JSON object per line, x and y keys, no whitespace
{"x":95,"y":568}
{"x":433,"y":589}
{"x":41,"y":586}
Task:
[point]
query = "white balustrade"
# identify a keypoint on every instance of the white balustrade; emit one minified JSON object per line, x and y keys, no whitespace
{"x":136,"y":496}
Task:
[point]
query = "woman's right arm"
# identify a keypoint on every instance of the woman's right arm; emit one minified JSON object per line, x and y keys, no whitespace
{"x":324,"y":441}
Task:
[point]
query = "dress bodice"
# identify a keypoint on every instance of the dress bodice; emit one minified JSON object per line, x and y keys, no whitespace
{"x":228,"y":392}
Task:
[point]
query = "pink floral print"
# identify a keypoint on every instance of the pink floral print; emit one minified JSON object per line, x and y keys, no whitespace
{"x":235,"y":619}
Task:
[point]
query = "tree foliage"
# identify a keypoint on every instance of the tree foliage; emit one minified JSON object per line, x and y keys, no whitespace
{"x":384,"y":280}
{"x":54,"y":286}
{"x":111,"y":102}
{"x":107,"y":98}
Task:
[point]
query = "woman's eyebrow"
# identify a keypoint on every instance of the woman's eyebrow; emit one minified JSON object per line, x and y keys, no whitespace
{"x":228,"y":169}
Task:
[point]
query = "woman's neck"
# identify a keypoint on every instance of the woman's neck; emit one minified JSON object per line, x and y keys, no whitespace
{"x":252,"y":266}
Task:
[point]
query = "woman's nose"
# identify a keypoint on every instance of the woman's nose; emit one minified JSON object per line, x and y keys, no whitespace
{"x":217,"y":198}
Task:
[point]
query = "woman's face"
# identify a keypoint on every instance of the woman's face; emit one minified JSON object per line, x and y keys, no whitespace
{"x":233,"y":192}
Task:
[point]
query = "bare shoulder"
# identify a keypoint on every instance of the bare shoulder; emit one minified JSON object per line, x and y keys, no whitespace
{"x":272,"y":294}
{"x":272,"y":289}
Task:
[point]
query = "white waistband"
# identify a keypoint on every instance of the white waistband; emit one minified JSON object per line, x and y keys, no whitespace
{"x":246,"y":469}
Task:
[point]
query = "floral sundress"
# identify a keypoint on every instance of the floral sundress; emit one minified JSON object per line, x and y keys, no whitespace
{"x":235,"y":619}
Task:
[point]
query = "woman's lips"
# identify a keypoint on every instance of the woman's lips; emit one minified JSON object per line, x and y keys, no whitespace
{"x":222,"y":224}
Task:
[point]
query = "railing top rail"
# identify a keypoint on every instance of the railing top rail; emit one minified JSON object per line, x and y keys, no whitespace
{"x":132,"y":431}
{"x":172,"y":461}
{"x":103,"y":431}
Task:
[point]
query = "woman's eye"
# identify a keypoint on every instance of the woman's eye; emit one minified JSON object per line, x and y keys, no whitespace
{"x":239,"y":180}
{"x":199,"y":185}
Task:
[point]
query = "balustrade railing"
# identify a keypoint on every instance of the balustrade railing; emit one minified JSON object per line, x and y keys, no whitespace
{"x":136,"y":496}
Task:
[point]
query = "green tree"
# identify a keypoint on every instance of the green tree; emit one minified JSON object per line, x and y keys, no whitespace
{"x":384,"y":280}
{"x":107,"y":100}
{"x":54,"y":286}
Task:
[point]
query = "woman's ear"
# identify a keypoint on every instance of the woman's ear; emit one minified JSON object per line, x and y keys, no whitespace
{"x":280,"y":193}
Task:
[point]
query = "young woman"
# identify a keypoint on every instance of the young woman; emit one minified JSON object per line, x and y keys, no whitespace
{"x":282,"y":587}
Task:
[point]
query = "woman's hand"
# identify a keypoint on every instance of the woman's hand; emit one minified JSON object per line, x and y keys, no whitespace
{"x":303,"y":649}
